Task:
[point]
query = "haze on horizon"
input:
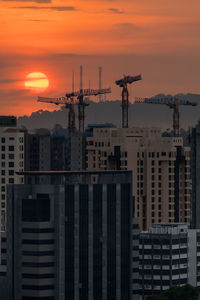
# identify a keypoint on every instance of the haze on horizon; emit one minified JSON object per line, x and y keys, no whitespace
{"x":157,"y":38}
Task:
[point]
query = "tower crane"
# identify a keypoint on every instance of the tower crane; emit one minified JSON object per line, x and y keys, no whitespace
{"x":125,"y":95}
{"x":171,"y":102}
{"x":69,"y":101}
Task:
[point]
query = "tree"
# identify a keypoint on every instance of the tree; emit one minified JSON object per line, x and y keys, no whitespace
{"x":186,"y":292}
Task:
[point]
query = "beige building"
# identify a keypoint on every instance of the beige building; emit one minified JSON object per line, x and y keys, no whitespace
{"x":160,"y":165}
{"x":12,"y":159}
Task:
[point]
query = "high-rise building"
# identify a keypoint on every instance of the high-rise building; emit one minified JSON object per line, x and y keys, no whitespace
{"x":12,"y":159}
{"x":21,"y":150}
{"x":8,"y":121}
{"x":195,"y":174}
{"x":39,"y":150}
{"x":160,"y":165}
{"x":71,"y":239}
{"x":67,"y":150}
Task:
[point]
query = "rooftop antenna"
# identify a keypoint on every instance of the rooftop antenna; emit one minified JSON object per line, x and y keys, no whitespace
{"x":73,"y":81}
{"x":100,"y":74}
{"x":81,"y":78}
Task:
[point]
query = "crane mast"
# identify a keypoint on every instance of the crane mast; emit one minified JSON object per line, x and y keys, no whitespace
{"x":75,"y":98}
{"x":171,"y":102}
{"x":125,"y":96}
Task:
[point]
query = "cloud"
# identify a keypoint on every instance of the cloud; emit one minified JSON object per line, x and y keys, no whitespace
{"x":115,"y":11}
{"x":5,"y":81}
{"x":35,"y":1}
{"x":56,"y":8}
{"x":39,"y":20}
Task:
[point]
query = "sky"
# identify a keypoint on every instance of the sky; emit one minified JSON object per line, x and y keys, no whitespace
{"x":157,"y":38}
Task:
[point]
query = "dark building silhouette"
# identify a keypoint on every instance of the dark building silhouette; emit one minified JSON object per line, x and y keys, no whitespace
{"x":70,"y":239}
{"x":195,"y":174}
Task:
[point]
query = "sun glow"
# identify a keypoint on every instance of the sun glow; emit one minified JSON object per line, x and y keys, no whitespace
{"x":36,"y":81}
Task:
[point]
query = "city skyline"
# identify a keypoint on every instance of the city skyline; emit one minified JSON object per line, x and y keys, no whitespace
{"x":156,"y":39}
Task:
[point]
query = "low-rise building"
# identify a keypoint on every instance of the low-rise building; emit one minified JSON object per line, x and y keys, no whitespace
{"x":169,"y":255}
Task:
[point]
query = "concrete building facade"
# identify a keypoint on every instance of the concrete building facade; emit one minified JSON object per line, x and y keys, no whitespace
{"x":160,"y":165}
{"x":71,"y":239}
{"x":195,"y":172}
{"x":169,"y":255}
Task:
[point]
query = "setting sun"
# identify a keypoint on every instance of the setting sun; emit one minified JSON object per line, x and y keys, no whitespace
{"x":36,"y":81}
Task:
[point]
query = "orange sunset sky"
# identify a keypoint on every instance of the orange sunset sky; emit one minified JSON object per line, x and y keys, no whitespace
{"x":157,"y":38}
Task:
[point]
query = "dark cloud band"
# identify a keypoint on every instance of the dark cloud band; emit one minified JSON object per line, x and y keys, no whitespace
{"x":35,"y":1}
{"x":56,"y":8}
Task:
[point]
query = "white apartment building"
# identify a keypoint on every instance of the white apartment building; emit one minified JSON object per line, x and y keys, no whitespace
{"x":12,"y":160}
{"x":160,"y":165}
{"x":169,"y":255}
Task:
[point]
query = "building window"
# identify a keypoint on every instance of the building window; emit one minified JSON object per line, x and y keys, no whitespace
{"x":3,"y":148}
{"x":11,"y":180}
{"x":11,"y":148}
{"x":11,"y":156}
{"x":3,"y":172}
{"x":3,"y":140}
{"x":11,"y":172}
{"x":11,"y":164}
